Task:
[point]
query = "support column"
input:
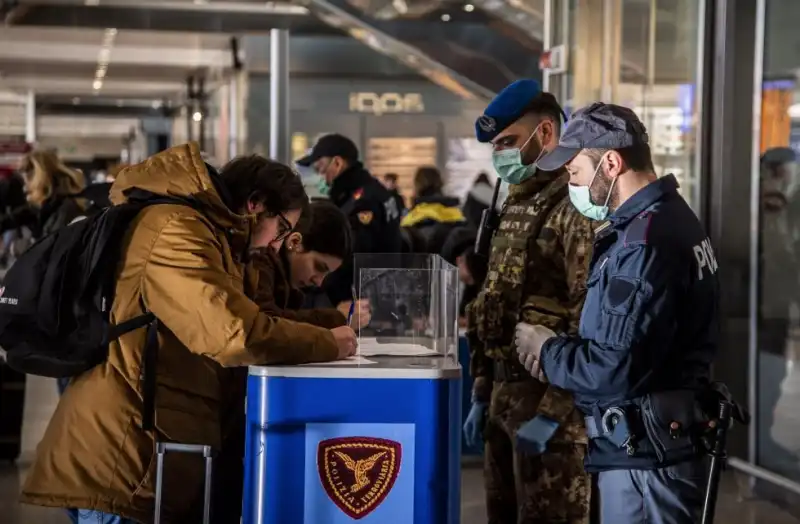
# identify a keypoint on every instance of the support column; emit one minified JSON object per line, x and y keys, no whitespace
{"x":233,"y":116}
{"x":190,"y":109}
{"x":30,"y":117}
{"x":202,"y":109}
{"x":279,"y":134}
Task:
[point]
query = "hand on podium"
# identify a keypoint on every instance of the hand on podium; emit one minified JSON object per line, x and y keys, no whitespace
{"x":346,"y":341}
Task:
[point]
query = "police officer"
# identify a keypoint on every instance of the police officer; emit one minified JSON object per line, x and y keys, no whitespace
{"x":371,"y":208}
{"x":538,"y":263}
{"x":649,"y":327}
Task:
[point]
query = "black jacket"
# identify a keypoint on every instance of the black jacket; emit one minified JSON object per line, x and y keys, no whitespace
{"x":374,"y":219}
{"x":478,"y":199}
{"x":54,"y":214}
{"x":429,"y":223}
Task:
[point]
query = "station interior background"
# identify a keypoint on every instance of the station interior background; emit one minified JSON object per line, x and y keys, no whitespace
{"x":110,"y":82}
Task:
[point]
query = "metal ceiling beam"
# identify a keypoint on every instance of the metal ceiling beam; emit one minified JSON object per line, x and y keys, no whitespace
{"x":171,"y":16}
{"x":339,"y":18}
{"x":120,"y":55}
{"x":83,"y":87}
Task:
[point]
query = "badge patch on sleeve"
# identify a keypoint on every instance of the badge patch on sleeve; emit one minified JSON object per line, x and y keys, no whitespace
{"x":365,"y":217}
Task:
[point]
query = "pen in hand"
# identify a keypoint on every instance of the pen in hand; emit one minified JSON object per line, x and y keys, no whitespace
{"x":352,"y":307}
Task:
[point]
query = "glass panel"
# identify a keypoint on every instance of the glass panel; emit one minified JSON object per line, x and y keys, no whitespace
{"x":778,"y":445}
{"x":414,"y":302}
{"x":659,"y":48}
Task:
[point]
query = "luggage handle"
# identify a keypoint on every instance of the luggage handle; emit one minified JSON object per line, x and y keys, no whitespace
{"x":198,"y":449}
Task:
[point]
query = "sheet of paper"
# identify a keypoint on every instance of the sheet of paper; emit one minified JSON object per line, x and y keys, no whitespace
{"x":356,"y":360}
{"x":371,"y":348}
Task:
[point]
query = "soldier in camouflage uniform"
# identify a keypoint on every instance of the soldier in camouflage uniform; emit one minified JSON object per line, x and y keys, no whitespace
{"x":538,"y":264}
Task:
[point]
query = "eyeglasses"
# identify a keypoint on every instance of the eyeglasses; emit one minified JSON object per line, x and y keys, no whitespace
{"x":284,"y":227}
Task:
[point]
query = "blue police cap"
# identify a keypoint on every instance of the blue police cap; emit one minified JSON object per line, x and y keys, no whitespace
{"x":598,"y":126}
{"x":506,"y":108}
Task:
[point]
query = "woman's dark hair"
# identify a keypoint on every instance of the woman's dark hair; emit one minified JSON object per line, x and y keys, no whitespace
{"x":325,"y":229}
{"x":261,"y":180}
{"x":428,"y":182}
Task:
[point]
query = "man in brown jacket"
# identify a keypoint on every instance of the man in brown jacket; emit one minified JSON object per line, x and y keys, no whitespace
{"x":187,"y":266}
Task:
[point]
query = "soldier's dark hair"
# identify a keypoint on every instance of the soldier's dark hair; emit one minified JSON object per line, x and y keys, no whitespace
{"x":325,"y":230}
{"x":637,"y":158}
{"x":545,"y":105}
{"x":428,"y":182}
{"x":263,"y":181}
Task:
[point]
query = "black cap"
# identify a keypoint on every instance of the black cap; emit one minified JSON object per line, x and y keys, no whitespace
{"x":330,"y":146}
{"x":598,"y":126}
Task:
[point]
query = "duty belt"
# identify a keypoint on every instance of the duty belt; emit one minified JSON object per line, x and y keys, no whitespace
{"x":614,"y":425}
{"x":510,"y":371}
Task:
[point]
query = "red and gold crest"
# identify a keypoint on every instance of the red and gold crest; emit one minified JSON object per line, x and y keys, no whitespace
{"x":358,"y":194}
{"x":358,"y":472}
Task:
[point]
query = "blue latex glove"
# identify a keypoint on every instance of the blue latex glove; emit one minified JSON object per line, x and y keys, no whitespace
{"x":473,"y":426}
{"x":532,"y":437}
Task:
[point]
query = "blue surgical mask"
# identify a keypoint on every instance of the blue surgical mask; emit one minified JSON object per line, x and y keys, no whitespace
{"x":581,"y":197}
{"x":509,"y":166}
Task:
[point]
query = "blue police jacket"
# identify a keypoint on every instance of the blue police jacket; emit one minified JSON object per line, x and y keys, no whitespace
{"x":650,"y":320}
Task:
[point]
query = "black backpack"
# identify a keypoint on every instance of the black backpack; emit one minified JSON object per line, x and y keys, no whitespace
{"x":55,"y":300}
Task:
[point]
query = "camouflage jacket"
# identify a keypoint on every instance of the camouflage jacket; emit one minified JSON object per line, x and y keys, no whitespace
{"x":538,"y":266}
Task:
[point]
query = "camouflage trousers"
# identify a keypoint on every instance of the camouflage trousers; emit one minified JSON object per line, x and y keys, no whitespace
{"x":551,"y":488}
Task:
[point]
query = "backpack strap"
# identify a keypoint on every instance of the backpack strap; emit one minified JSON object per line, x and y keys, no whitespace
{"x":150,"y":363}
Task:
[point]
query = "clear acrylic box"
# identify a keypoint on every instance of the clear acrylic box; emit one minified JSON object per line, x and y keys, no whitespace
{"x":414,"y":303}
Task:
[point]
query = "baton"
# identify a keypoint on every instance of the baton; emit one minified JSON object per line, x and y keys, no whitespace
{"x":718,"y":456}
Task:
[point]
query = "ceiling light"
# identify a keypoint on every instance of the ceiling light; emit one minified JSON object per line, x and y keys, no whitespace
{"x":97,"y":85}
{"x":156,"y":104}
{"x":469,"y":8}
{"x":794,"y":111}
{"x":197,"y":116}
{"x":445,"y":17}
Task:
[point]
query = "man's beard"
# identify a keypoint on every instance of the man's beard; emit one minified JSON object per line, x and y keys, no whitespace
{"x":600,"y":191}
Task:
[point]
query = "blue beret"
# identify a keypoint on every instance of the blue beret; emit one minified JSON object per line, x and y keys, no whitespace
{"x":506,"y":108}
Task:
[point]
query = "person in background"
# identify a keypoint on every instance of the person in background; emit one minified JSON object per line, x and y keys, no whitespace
{"x":319,"y":244}
{"x":779,"y":251}
{"x":12,"y":196}
{"x":478,"y":199}
{"x":459,"y":250}
{"x":51,"y":189}
{"x":390,"y":181}
{"x":190,"y":267}
{"x":52,"y":192}
{"x":369,"y":206}
{"x":433,"y":216}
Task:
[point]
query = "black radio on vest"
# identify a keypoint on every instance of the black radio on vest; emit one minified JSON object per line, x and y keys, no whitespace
{"x":490,"y":220}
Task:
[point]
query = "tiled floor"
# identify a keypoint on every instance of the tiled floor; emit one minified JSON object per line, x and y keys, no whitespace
{"x":733,"y":507}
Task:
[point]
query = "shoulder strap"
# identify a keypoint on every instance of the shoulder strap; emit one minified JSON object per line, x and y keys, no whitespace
{"x":149,"y":365}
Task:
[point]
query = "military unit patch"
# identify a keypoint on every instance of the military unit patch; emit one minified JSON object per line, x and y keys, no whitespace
{"x":358,"y":473}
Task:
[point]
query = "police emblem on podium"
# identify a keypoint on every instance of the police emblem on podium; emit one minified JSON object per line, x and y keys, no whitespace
{"x":358,"y":473}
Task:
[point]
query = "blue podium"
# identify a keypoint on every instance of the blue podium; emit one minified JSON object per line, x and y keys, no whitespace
{"x":338,"y":443}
